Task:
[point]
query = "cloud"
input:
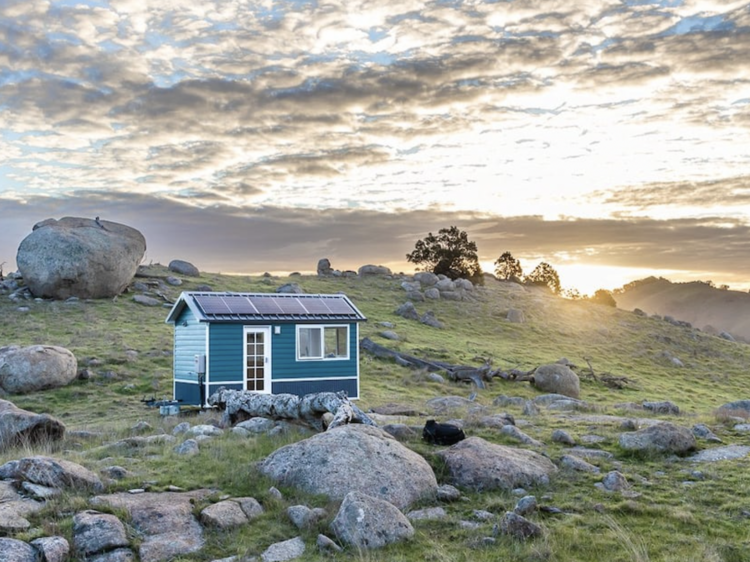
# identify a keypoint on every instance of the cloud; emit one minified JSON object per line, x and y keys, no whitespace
{"x":221,"y":238}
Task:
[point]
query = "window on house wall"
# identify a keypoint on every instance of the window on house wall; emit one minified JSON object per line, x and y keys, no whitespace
{"x":323,"y":342}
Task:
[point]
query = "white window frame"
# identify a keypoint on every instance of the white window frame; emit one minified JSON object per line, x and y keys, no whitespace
{"x":321,"y":330}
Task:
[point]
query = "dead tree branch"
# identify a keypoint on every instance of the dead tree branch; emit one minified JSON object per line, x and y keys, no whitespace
{"x":239,"y":405}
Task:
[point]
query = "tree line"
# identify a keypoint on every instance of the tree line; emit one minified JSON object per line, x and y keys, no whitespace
{"x":452,"y":254}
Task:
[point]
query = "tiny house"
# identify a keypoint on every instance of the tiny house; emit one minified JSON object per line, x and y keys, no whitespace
{"x":264,"y":342}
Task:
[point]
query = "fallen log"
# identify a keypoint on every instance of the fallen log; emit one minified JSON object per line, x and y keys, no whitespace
{"x":456,"y":373}
{"x":239,"y":405}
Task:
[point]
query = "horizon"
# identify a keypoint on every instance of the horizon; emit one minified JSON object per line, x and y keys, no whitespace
{"x":606,"y":139}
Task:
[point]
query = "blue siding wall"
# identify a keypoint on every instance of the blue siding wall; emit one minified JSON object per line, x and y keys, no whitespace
{"x":189,"y":341}
{"x":226,"y":353}
{"x":300,"y":388}
{"x":286,"y":366}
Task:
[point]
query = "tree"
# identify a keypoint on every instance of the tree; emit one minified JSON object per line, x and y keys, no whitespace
{"x":450,"y":253}
{"x":603,"y":296}
{"x":507,"y":267}
{"x":544,"y":274}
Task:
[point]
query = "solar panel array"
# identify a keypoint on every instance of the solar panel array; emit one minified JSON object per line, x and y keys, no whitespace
{"x":261,"y":305}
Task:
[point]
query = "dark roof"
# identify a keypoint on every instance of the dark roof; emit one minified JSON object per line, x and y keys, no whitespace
{"x":266,"y":307}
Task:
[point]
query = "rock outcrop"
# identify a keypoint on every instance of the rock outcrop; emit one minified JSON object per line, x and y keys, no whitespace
{"x":77,"y":257}
{"x":37,"y":367}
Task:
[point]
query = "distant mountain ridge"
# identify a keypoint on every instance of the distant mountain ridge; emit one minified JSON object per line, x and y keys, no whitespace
{"x":703,"y":305}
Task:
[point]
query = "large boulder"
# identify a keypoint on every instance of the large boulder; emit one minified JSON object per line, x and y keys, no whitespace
{"x":367,"y":522}
{"x":558,"y":379}
{"x":324,"y":267}
{"x":183,"y":268}
{"x":660,"y":438}
{"x":37,"y":367}
{"x":350,"y":458}
{"x":479,"y":465}
{"x":21,"y":426}
{"x":77,"y":257}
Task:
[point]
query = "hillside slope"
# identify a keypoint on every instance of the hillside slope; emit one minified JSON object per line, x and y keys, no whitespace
{"x":705,"y":307}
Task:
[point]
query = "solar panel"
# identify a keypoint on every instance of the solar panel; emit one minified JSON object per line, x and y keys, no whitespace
{"x":339,"y":306}
{"x":265,"y":305}
{"x":212,"y":304}
{"x":240,"y":305}
{"x":315,"y":306}
{"x":290,"y":305}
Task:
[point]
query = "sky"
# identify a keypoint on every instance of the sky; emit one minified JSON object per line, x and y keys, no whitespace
{"x":610,"y":139}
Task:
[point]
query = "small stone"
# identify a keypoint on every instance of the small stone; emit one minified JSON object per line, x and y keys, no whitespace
{"x":326,"y":544}
{"x":427,"y":514}
{"x":615,"y":481}
{"x":286,"y":550}
{"x":530,"y":409}
{"x":526,"y":505}
{"x":53,"y":549}
{"x":275,"y":493}
{"x":563,"y":437}
{"x":448,"y":493}
{"x":188,"y":447}
{"x":519,"y":527}
{"x":141,"y":427}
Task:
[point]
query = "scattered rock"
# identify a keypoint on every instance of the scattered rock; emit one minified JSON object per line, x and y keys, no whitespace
{"x":250,"y":506}
{"x":390,"y":335}
{"x":367,"y":522}
{"x":305,"y":518}
{"x":558,"y":379}
{"x":224,"y":515}
{"x":444,"y":404}
{"x":429,"y":319}
{"x":394,"y":473}
{"x":408,"y":311}
{"x":324,"y":267}
{"x":182,"y":267}
{"x":662,"y":438}
{"x":519,"y":527}
{"x":664,"y":407}
{"x":34,"y":368}
{"x":53,"y":549}
{"x":573,"y":462}
{"x":283,"y":551}
{"x":563,"y":437}
{"x":257,"y":425}
{"x":427,"y":514}
{"x":448,"y":493}
{"x":516,"y":316}
{"x":174,"y":281}
{"x":426,"y":278}
{"x":516,"y":434}
{"x":14,"y":550}
{"x":54,"y":473}
{"x":291,"y":289}
{"x":19,"y":426}
{"x":326,"y":545}
{"x":702,"y":431}
{"x":89,"y":259}
{"x":14,"y":508}
{"x":615,"y":481}
{"x":95,"y":532}
{"x":526,"y":506}
{"x":479,"y":465}
{"x":730,"y":452}
{"x":737,"y":408}
{"x":432,"y":293}
{"x":401,"y":432}
{"x":146,"y":300}
{"x":366,"y":270}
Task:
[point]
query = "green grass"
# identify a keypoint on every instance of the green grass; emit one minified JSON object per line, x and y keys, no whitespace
{"x":672,"y":515}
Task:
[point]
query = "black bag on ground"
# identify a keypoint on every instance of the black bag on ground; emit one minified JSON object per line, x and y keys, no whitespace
{"x":442,"y":433}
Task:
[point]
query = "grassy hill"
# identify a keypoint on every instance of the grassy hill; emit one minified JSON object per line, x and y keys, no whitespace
{"x":675,"y":510}
{"x":706,"y":307}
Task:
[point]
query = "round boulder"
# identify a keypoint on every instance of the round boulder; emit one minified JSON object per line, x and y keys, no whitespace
{"x":479,"y":465}
{"x":76,"y":257}
{"x":558,"y":379}
{"x":38,"y":367}
{"x":660,"y":438}
{"x":184,"y":268}
{"x":350,"y":458}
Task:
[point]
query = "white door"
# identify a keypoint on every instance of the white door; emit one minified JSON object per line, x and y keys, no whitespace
{"x":258,"y":359}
